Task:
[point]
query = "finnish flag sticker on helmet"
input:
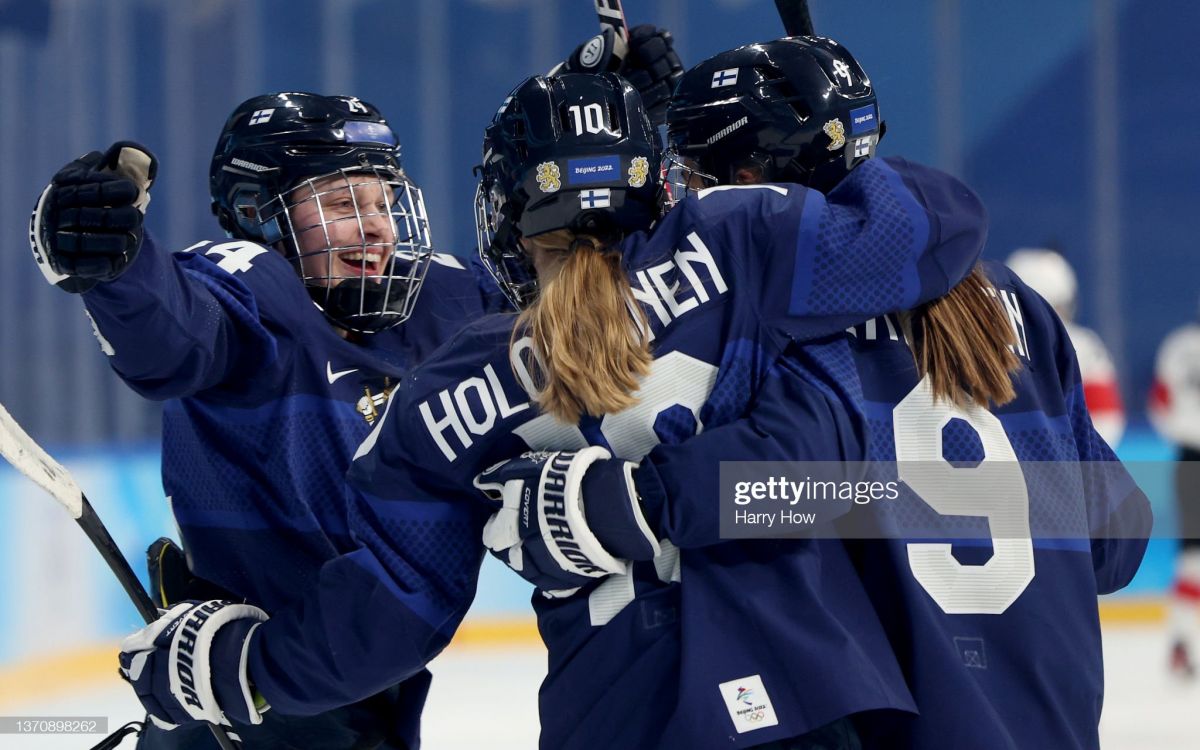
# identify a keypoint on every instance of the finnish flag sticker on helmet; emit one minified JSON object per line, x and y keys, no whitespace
{"x":862,"y":147}
{"x":597,"y":198}
{"x":727,"y":77}
{"x":261,"y":116}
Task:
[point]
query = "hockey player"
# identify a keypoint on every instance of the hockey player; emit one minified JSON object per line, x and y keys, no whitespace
{"x":1048,"y":273}
{"x":1175,"y":413}
{"x":984,"y":376}
{"x":274,"y":351}
{"x":985,"y":373}
{"x":653,"y":347}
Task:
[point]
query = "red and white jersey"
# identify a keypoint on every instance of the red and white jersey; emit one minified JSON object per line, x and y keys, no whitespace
{"x":1175,"y":396}
{"x":1099,"y":377}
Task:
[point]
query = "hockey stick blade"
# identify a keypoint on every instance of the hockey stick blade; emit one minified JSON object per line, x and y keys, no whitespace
{"x":28,"y":458}
{"x":797,"y":20}
{"x":33,"y":462}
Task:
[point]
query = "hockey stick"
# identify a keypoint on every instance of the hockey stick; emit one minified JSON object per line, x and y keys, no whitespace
{"x":612,"y":16}
{"x":797,"y":21}
{"x":27,"y":457}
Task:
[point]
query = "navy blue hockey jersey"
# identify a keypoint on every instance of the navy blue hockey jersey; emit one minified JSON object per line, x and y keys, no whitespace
{"x":997,"y":632}
{"x":265,"y":405}
{"x":727,"y":279}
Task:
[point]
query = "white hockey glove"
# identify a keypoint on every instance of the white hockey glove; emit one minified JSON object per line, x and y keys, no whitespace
{"x":566,"y":518}
{"x":190,"y":664}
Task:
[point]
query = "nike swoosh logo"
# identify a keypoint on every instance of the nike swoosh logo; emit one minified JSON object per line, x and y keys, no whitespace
{"x":335,"y":376}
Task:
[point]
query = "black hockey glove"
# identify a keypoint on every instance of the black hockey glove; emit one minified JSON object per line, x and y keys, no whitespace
{"x":651,"y":64}
{"x":87,"y":225}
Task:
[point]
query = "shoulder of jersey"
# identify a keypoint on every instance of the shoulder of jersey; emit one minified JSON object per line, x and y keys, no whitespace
{"x":272,"y":279}
{"x":236,"y":257}
{"x":450,"y":274}
{"x":721,"y":199}
{"x":701,"y":212}
{"x":477,"y":343}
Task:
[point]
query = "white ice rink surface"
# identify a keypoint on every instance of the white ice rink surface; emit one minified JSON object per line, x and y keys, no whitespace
{"x":486,"y":698}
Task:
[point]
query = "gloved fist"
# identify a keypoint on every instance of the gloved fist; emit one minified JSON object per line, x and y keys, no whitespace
{"x":189,"y":664}
{"x":566,"y":518}
{"x":651,"y":64}
{"x":87,"y":225}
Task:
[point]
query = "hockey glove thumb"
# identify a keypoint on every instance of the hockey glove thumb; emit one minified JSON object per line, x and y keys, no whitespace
{"x":649,"y":62}
{"x":87,"y":225}
{"x":190,"y":664}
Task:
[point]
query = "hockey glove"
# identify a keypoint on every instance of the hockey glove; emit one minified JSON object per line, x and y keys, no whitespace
{"x":190,"y":664}
{"x":651,"y":65}
{"x":87,"y":225}
{"x":564,"y":519}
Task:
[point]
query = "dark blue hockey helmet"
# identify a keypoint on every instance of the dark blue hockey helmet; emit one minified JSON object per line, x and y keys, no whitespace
{"x":572,"y":151}
{"x":798,"y":109}
{"x":320,"y":178}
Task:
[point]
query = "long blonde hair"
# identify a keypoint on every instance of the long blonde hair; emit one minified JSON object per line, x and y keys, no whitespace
{"x":587,"y":330}
{"x":962,"y":344}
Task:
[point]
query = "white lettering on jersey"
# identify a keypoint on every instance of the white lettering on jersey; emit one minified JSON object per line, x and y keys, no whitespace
{"x":870,"y":330}
{"x":994,"y":489}
{"x":664,"y":300}
{"x":470,"y":408}
{"x":1017,"y":320}
{"x":234,"y":255}
{"x":675,"y":379}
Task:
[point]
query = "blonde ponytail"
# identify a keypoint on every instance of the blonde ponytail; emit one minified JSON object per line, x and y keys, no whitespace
{"x":962,"y":344}
{"x":586,"y":330}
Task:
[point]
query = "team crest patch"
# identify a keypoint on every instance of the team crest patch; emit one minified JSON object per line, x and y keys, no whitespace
{"x":373,"y":401}
{"x":639,"y":171}
{"x":549,"y":177}
{"x":837,"y":134}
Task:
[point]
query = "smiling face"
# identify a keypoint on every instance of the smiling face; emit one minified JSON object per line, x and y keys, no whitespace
{"x":343,"y":227}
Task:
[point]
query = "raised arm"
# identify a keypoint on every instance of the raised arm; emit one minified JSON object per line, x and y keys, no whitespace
{"x":171,"y":324}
